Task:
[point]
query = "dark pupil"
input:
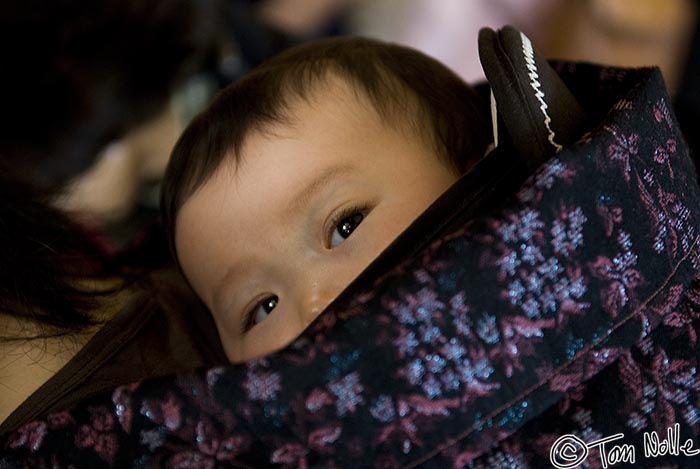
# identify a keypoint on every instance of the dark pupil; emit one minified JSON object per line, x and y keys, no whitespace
{"x":348,"y":225}
{"x":269,"y":304}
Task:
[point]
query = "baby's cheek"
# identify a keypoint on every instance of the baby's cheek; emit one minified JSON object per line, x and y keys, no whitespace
{"x":274,"y":333}
{"x":232,"y":347}
{"x":231,"y":343}
{"x":390,"y":226}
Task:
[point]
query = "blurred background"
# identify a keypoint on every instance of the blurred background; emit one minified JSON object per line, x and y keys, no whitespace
{"x":95,"y":93}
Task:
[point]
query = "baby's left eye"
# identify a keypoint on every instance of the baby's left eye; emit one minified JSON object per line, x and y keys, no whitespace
{"x":260,"y":311}
{"x":345,"y":227}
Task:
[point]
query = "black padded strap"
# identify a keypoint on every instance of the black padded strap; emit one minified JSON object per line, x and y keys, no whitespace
{"x":539,"y":113}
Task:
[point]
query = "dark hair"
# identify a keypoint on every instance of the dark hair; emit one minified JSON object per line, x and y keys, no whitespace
{"x":45,"y":257}
{"x":395,"y":78}
{"x":75,"y":76}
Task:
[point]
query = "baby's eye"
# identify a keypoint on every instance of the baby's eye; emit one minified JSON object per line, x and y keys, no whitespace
{"x":261,"y":311}
{"x":344,"y":228}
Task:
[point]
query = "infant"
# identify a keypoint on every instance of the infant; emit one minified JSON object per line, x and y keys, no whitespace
{"x":297,"y":176}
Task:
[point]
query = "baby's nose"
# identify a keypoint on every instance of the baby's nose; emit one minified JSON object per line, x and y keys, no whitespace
{"x":315,"y":299}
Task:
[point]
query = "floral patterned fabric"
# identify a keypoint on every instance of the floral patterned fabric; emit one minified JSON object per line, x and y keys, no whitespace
{"x":571,"y":308}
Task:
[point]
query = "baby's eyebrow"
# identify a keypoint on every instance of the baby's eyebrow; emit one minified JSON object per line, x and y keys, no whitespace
{"x":232,"y":273}
{"x":315,"y":184}
{"x":297,"y":203}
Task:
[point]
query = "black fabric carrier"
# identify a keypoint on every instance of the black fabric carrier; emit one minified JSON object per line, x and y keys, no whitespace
{"x":522,"y":317}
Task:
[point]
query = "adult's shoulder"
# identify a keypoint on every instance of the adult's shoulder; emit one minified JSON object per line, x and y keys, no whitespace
{"x":161,"y":328}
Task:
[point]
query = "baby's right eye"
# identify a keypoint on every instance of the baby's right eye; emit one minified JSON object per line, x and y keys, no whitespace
{"x":261,"y":310}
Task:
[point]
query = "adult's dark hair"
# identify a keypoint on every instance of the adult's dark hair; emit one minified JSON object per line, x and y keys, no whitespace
{"x":46,"y":260}
{"x":405,"y":86}
{"x":75,"y":76}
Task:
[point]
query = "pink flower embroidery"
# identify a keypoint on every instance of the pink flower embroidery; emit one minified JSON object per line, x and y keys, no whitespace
{"x":288,"y":454}
{"x":324,"y":436}
{"x":59,"y":420}
{"x":30,"y":435}
{"x":621,"y":150}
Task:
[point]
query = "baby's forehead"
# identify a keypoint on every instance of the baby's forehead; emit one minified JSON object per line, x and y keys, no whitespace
{"x":339,"y":98}
{"x":331,"y":94}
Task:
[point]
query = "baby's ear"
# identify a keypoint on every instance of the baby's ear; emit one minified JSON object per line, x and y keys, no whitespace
{"x":533,"y":109}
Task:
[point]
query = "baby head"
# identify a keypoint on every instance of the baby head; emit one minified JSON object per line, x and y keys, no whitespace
{"x":297,"y":176}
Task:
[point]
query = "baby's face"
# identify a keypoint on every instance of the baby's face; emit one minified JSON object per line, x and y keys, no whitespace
{"x":270,"y":243}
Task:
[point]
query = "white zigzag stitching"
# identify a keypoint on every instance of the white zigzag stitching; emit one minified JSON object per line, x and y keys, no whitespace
{"x":529,"y":54}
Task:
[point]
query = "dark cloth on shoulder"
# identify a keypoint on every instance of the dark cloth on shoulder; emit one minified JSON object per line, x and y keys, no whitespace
{"x":163,"y":329}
